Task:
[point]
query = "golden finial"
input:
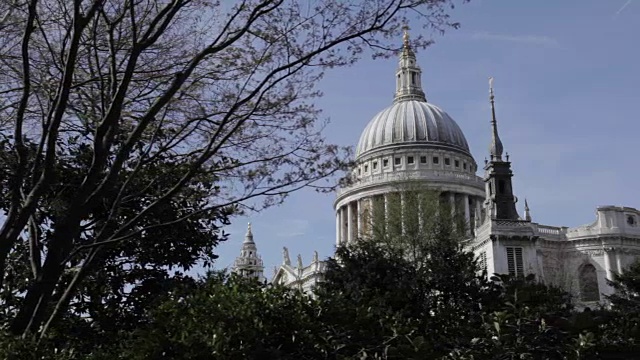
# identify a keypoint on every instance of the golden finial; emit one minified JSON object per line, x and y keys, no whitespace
{"x":405,"y":35}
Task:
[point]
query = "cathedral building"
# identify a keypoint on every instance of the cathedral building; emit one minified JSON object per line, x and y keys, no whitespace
{"x":413,"y":141}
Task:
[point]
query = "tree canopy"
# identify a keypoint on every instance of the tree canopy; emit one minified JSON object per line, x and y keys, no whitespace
{"x":131,"y":130}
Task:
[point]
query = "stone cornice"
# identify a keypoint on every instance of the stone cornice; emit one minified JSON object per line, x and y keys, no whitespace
{"x":443,"y":177}
{"x":416,"y":145}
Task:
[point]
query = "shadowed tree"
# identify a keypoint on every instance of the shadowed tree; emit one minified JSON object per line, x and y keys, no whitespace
{"x":125,"y":120}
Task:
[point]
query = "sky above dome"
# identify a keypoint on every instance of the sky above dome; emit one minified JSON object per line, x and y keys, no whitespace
{"x":567,"y":85}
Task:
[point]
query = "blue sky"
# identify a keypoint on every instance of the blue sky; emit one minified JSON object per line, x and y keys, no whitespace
{"x":567,"y":82}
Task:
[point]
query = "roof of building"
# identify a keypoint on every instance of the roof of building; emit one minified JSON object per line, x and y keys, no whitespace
{"x":411,"y":120}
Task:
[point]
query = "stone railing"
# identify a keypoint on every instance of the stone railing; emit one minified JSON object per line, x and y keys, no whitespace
{"x":511,"y":223}
{"x":423,"y":175}
{"x":551,"y":232}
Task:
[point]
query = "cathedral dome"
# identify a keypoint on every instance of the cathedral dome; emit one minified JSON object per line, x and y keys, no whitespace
{"x":412,"y":122}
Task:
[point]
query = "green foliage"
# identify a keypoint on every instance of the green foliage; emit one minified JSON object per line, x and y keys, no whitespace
{"x":404,"y":294}
{"x":225,"y":317}
{"x":525,"y":320}
{"x":131,"y":130}
{"x":618,"y":330}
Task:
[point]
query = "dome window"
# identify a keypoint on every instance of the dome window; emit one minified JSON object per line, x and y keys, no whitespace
{"x":410,"y":160}
{"x":423,"y":159}
{"x":447,"y":161}
{"x":436,"y":160}
{"x":397,"y":161}
{"x":375,"y":165}
{"x":631,"y":220}
{"x":464,"y":165}
{"x":457,"y":163}
{"x":385,"y":162}
{"x":366,"y":169}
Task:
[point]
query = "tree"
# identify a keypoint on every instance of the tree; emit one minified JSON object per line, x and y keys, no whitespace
{"x":407,"y":289}
{"x":113,"y":112}
{"x":618,"y":329}
{"x":229,"y":318}
{"x":525,"y":319}
{"x":216,"y":316}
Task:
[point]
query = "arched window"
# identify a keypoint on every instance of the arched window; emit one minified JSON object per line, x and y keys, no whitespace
{"x":589,"y":283}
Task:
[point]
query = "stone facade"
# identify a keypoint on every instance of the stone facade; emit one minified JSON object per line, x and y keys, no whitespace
{"x":413,"y":141}
{"x":299,"y":277}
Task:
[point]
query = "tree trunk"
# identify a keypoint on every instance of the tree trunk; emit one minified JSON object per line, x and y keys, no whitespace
{"x":37,"y":300}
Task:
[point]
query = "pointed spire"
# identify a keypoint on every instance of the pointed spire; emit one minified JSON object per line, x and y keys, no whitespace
{"x":286,"y":260}
{"x":496,"y":145}
{"x":527,"y":214}
{"x":408,"y":74}
{"x":248,"y":238}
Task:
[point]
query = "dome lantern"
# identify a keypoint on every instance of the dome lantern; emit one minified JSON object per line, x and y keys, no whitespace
{"x":408,"y":74}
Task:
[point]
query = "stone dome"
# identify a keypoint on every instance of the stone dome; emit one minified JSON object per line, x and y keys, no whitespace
{"x":412,"y":122}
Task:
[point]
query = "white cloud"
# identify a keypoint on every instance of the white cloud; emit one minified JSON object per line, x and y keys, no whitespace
{"x":622,"y":8}
{"x":292,"y":228}
{"x":540,"y":40}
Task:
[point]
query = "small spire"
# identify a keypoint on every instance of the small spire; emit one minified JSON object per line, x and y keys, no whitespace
{"x":286,"y":260}
{"x":527,"y":214}
{"x":496,"y":145}
{"x":408,"y":74}
{"x":248,"y":238}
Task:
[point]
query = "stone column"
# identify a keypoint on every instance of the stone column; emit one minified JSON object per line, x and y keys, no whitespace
{"x":338,"y":222}
{"x":386,"y":213}
{"x":402,"y":214}
{"x":343,"y":224}
{"x":452,"y":202}
{"x":607,"y":264}
{"x":371,"y":218}
{"x":619,"y":261}
{"x":467,"y":212}
{"x":359,"y":217}
{"x":420,"y":213}
{"x":349,"y":223}
{"x":479,"y":208}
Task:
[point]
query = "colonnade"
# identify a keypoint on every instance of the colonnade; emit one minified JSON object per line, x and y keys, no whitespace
{"x":353,"y":219}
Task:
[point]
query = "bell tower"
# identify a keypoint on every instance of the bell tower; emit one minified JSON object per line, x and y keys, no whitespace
{"x":500,"y":201}
{"x":249,"y":264}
